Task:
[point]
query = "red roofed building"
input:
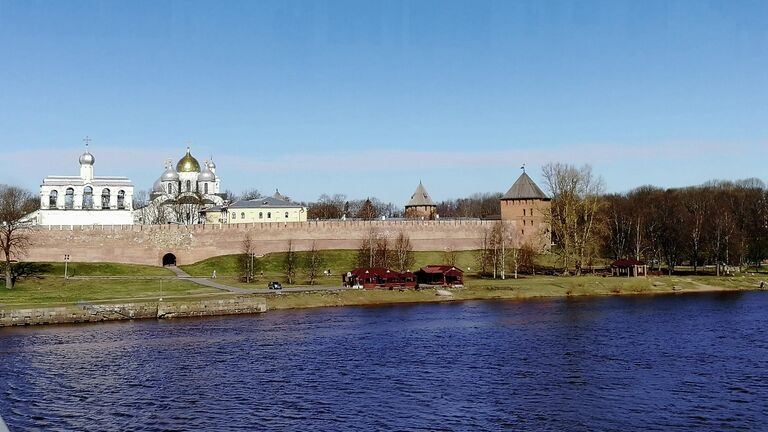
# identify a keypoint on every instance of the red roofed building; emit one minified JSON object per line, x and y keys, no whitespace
{"x":628,"y":267}
{"x":379,"y":277}
{"x":443,"y":275}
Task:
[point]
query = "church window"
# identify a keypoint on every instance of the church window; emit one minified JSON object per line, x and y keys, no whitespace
{"x":88,"y":197}
{"x":523,"y":222}
{"x":189,"y":186}
{"x":69,"y":199}
{"x":261,"y":215}
{"x":170,"y":188}
{"x":206,"y":188}
{"x":530,"y":213}
{"x":105,"y":198}
{"x":523,"y":212}
{"x":234,"y":215}
{"x":242,"y":215}
{"x":286,"y":215}
{"x":53,"y":199}
{"x":269,"y":215}
{"x":121,"y":199}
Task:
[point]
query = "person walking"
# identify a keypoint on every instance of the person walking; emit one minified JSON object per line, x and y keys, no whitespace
{"x":213,"y":276}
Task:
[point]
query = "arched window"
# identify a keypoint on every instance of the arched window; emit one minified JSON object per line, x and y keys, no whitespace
{"x":88,"y":197}
{"x":189,"y":185}
{"x":261,"y":215}
{"x":170,"y":188}
{"x":53,"y":199}
{"x":269,"y":215}
{"x":286,"y":215}
{"x":69,"y":199}
{"x":105,"y":198}
{"x":242,"y":215}
{"x":121,"y":199}
{"x":206,"y":188}
{"x":234,"y":215}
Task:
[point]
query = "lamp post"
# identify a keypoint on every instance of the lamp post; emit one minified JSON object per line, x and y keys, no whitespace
{"x":66,"y":261}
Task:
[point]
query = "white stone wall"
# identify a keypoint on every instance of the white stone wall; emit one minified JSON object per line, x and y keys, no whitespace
{"x":86,"y":217}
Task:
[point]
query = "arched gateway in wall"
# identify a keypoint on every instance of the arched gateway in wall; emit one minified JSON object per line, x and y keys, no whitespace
{"x":169,"y":259}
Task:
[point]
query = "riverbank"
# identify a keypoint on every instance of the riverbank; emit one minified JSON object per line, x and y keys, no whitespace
{"x":520,"y":289}
{"x":188,"y":303}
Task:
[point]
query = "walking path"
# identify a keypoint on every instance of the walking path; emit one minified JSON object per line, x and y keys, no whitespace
{"x":211,"y":283}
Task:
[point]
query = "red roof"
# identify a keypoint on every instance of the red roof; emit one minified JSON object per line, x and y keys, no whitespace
{"x":363,"y":272}
{"x":440,"y":269}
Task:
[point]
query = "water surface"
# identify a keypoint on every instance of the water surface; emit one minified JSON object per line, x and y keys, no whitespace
{"x":680,"y":362}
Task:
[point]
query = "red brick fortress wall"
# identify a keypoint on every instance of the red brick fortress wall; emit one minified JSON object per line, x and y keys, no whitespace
{"x":146,"y":244}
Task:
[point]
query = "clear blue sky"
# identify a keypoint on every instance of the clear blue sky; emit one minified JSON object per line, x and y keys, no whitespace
{"x":367,"y":98}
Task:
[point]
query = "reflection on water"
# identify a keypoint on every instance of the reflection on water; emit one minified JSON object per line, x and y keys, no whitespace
{"x":688,"y":362}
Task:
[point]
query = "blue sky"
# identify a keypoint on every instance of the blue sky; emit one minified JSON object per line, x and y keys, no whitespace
{"x":367,"y":98}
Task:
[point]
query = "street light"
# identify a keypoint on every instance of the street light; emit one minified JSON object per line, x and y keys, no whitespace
{"x":66,"y":260}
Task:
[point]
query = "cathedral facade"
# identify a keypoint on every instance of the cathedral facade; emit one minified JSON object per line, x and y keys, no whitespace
{"x":182,"y":192}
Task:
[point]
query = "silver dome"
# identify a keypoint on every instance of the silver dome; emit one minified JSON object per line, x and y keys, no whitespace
{"x":206,"y":174}
{"x":211,"y":165}
{"x":170,"y":174}
{"x":158,"y":186}
{"x":87,"y":158}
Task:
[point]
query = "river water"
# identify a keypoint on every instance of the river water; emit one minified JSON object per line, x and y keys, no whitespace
{"x":681,"y":362}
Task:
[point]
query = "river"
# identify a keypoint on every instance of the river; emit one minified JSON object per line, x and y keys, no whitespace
{"x":678,"y":362}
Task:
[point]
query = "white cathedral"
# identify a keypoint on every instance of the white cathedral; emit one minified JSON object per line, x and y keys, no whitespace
{"x":180,"y":194}
{"x":85,"y":199}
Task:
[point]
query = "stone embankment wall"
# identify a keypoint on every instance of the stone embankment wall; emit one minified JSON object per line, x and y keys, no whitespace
{"x":147,"y":244}
{"x":112,"y":312}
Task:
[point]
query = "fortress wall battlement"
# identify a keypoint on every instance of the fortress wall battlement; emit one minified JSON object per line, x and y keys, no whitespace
{"x":147,"y":244}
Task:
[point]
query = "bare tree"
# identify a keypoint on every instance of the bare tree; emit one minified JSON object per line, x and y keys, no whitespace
{"x":366,"y":250}
{"x":576,"y":201}
{"x":367,"y":210}
{"x":250,"y":194}
{"x":15,"y":204}
{"x":403,"y":250}
{"x":290,"y":263}
{"x":449,"y":256}
{"x":313,"y":263}
{"x":247,"y":258}
{"x":186,"y":209}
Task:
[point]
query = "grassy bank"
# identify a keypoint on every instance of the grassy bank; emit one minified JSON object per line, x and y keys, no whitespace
{"x":49,"y":291}
{"x":519,"y":289}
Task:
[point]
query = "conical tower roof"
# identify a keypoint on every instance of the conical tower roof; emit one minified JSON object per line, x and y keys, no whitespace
{"x":420,"y":198}
{"x":524,"y":188}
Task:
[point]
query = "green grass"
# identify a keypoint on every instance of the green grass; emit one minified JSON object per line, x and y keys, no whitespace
{"x":105,"y":269}
{"x":338,"y":261}
{"x":56,"y":290}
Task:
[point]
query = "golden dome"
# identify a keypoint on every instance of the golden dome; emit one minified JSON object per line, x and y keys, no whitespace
{"x":188,"y":164}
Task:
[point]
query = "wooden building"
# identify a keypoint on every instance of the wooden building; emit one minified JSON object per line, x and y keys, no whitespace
{"x":379,"y":277}
{"x":628,"y":267}
{"x":440,"y":275}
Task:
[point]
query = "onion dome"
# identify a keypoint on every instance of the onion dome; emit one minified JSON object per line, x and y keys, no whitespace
{"x":158,"y":186}
{"x":211,"y":165}
{"x":170,"y":174}
{"x":87,"y":158}
{"x":188,"y":164}
{"x":206,"y":175}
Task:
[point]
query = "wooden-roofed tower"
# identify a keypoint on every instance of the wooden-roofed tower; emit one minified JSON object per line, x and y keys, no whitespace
{"x":528,"y":207}
{"x":421,"y":205}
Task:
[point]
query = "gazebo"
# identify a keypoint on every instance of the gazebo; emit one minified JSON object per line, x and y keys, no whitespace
{"x":629,"y":267}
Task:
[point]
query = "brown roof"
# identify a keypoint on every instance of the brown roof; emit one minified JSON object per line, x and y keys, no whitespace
{"x":524,"y":188}
{"x":420,"y":198}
